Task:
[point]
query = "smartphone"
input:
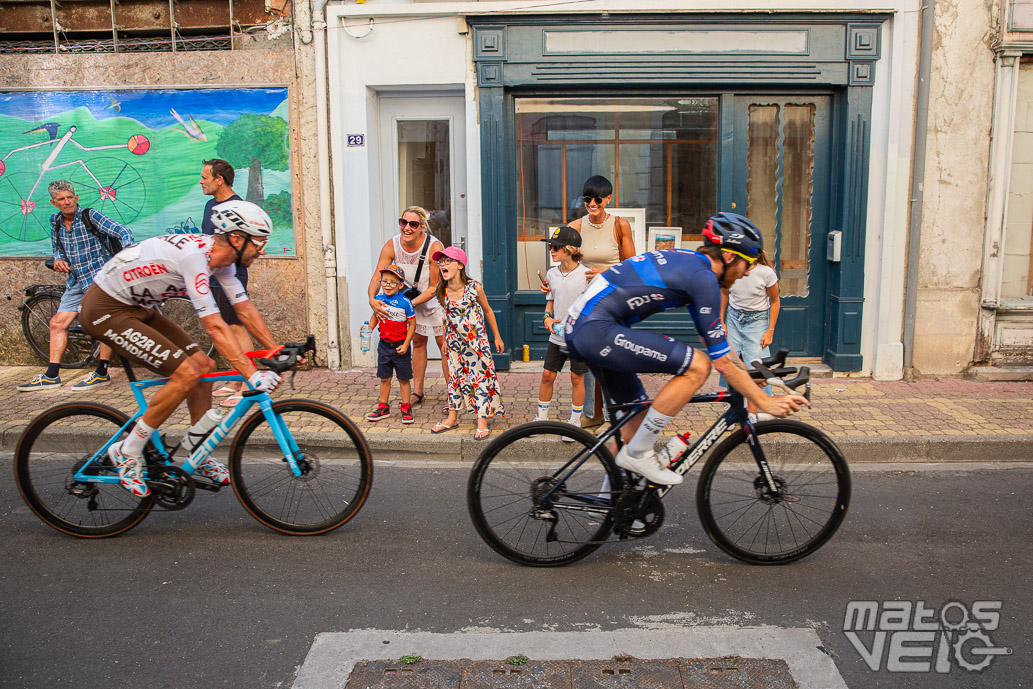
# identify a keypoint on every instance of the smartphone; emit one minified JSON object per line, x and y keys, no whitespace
{"x":544,"y":282}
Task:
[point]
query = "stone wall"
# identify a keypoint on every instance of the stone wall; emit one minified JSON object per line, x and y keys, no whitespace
{"x":957,"y":162}
{"x":279,"y":287}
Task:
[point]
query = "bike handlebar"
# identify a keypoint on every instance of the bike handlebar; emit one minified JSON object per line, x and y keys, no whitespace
{"x":287,"y":356}
{"x":772,"y":371}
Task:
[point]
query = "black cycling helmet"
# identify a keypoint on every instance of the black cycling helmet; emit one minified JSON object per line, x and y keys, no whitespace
{"x":734,"y":232}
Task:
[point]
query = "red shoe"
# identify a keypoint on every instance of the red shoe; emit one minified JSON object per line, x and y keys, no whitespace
{"x":382,"y":412}
{"x":406,"y":410}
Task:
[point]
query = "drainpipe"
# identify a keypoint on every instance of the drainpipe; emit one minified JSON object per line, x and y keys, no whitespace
{"x":914,"y":238}
{"x":333,"y":347}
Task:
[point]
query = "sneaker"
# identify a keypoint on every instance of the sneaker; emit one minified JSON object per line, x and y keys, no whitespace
{"x":41,"y":382}
{"x":130,"y":471}
{"x":406,"y":410}
{"x":382,"y":412}
{"x":94,"y":380}
{"x":572,"y":422}
{"x":648,"y":466}
{"x":216,"y":471}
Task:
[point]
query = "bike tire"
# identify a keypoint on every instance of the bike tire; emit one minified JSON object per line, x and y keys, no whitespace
{"x":500,"y":495}
{"x":37,"y":311}
{"x":330,"y":492}
{"x":50,"y":450}
{"x":748,"y":525}
{"x":180,"y":311}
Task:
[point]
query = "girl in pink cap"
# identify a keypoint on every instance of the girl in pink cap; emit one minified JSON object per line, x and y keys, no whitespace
{"x":472,"y":381}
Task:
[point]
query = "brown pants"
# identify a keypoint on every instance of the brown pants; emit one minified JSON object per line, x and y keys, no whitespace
{"x":140,"y":334}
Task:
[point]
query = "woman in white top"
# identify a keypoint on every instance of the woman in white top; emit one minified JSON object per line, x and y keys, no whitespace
{"x":750,"y":311}
{"x":406,"y":249}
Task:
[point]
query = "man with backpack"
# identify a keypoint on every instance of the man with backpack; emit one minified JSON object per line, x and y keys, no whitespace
{"x":83,"y":240}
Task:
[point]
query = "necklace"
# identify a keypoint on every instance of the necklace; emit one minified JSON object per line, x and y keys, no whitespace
{"x":596,"y":226}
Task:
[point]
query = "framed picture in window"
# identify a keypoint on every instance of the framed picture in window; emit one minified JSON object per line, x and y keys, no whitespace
{"x":636,"y":217}
{"x":661,"y":238}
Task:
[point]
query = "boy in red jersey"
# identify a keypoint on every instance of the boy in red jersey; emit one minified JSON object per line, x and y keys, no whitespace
{"x":393,"y":355}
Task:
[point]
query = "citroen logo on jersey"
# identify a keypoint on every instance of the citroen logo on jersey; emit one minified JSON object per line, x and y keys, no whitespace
{"x":201,"y":284}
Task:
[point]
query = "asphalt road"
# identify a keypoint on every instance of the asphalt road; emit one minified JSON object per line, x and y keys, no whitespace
{"x":207,"y":597}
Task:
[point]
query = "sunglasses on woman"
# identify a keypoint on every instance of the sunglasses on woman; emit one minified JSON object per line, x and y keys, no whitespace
{"x":413,"y":224}
{"x":589,"y":199}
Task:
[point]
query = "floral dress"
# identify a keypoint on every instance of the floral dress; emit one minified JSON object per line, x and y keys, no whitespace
{"x":472,"y":369}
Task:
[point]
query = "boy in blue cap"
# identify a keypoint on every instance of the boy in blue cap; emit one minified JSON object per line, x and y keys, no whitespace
{"x":393,"y":354}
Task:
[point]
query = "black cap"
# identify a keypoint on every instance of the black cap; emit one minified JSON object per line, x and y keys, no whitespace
{"x":564,"y":235}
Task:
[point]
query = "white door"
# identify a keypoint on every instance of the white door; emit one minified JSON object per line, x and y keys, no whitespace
{"x":423,"y":163}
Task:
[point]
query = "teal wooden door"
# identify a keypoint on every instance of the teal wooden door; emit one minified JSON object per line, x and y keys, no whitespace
{"x":782,"y":180}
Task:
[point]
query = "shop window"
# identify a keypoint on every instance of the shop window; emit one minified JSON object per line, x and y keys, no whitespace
{"x":780,"y":167}
{"x":660,"y":154}
{"x":1017,"y":268}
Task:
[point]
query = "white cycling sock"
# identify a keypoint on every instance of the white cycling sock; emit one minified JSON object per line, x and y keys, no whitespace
{"x":133,"y":445}
{"x":647,"y":434}
{"x":543,"y":410}
{"x":575,"y":414}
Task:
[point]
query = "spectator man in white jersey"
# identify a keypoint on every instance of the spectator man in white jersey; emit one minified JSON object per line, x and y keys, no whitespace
{"x":117,"y":310}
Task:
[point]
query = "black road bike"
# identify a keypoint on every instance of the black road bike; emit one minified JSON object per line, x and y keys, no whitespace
{"x":770,"y":493}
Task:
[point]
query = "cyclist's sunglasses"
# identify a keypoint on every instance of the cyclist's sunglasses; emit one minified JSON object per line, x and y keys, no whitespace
{"x":259,"y":243}
{"x":413,"y":224}
{"x":589,"y":199}
{"x":749,"y":261}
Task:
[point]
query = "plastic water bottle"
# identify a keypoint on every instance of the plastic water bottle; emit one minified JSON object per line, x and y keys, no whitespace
{"x":365,"y":335}
{"x":674,"y":447}
{"x":557,"y":328}
{"x":196,"y":434}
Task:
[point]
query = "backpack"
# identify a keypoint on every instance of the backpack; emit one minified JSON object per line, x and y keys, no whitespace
{"x":111,"y":244}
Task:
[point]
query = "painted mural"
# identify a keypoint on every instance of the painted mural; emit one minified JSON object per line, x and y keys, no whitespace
{"x":135,"y":155}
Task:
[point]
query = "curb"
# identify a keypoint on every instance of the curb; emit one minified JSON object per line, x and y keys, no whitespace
{"x":408,"y":447}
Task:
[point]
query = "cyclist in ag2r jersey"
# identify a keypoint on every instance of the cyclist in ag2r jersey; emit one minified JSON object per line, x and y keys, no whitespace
{"x":117,"y":309}
{"x":598,"y":331}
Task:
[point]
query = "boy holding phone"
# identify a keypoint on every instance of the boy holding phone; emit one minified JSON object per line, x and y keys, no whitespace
{"x":565,"y":283}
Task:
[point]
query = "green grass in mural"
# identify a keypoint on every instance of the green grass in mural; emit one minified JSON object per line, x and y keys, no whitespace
{"x":150,"y":191}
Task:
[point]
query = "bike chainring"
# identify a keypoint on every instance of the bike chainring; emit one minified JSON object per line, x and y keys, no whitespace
{"x":171,"y":487}
{"x":640,"y":513}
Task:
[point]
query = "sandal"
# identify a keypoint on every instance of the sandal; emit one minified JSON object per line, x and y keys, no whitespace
{"x":442,"y":427}
{"x":232,"y":400}
{"x":481,"y":433}
{"x":416,"y":399}
{"x":225,"y":391}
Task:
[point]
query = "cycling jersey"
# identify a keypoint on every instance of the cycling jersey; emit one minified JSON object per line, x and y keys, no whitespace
{"x":166,"y":266}
{"x":598,"y":325}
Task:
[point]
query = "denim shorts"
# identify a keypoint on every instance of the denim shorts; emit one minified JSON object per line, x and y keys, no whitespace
{"x":72,"y":298}
{"x":745,"y":328}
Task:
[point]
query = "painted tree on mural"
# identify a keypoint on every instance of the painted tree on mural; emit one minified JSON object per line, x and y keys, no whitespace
{"x":254,"y":142}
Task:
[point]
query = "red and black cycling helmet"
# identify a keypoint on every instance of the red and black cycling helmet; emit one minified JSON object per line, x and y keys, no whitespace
{"x":734,"y":232}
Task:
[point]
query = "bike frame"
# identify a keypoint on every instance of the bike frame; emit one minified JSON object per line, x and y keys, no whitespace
{"x":735,"y":414}
{"x":288,"y":446}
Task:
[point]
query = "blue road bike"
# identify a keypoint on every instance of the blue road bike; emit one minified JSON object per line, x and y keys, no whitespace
{"x":298,"y":466}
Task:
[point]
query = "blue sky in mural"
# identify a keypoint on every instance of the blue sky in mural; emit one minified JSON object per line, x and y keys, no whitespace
{"x":150,"y":107}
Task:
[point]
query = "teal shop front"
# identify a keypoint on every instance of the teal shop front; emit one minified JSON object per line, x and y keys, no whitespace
{"x":686,"y":115}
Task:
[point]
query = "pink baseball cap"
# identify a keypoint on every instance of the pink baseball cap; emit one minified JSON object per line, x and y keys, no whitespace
{"x":453,"y":252}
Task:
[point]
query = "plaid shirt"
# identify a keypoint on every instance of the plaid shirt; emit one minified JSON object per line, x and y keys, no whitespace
{"x":84,"y":252}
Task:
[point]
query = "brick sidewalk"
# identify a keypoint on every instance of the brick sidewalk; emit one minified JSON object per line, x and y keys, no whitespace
{"x":929,"y":420}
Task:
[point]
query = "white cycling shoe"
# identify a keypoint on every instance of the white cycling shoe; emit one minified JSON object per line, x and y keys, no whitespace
{"x":649,"y":466}
{"x":130,"y":471}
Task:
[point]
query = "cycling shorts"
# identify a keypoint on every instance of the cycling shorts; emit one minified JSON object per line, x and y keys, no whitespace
{"x":617,"y":354}
{"x":140,"y":333}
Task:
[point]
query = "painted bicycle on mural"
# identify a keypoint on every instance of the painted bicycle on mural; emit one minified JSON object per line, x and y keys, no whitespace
{"x":109,"y":184}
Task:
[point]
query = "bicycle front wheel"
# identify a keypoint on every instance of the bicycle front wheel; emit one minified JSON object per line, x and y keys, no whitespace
{"x":540,"y":501}
{"x":744,"y":519}
{"x":54,"y":446}
{"x":336,"y":464}
{"x":180,"y":311}
{"x":81,"y":349}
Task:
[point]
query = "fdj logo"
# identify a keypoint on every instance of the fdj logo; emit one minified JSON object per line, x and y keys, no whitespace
{"x":923,"y":639}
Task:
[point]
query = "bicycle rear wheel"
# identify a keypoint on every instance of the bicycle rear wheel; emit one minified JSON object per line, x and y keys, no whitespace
{"x":337,"y":469}
{"x":180,"y":311}
{"x":36,"y":314}
{"x":742,"y":518}
{"x":508,"y":502}
{"x":55,"y":445}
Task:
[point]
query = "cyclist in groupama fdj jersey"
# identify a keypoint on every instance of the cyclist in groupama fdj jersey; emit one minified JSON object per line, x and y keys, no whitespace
{"x":117,"y":310}
{"x":598,"y":330}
